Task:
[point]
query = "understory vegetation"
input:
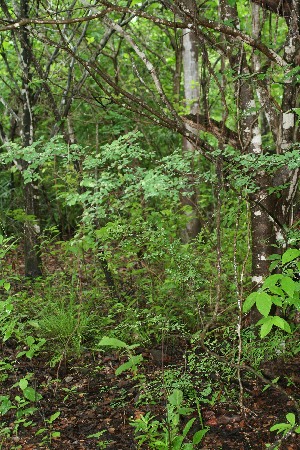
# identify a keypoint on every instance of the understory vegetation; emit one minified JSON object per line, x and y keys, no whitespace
{"x":123,"y":283}
{"x":149,"y":224}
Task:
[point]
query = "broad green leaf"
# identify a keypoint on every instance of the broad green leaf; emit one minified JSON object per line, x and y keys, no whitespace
{"x":31,"y":394}
{"x":6,"y":286}
{"x":112,"y":342}
{"x":266,"y":328}
{"x":281,"y":323}
{"x":263,"y":303}
{"x":176,"y":397}
{"x":184,"y":411}
{"x":291,"y":418}
{"x":23,"y":383}
{"x":290,"y":255}
{"x":199,"y":435}
{"x":272,"y":280}
{"x":131,"y":364}
{"x":249,"y":302}
{"x":177,"y":442}
{"x":5,"y":404}
{"x":55,"y":434}
{"x":288,"y":285}
{"x":277,"y":301}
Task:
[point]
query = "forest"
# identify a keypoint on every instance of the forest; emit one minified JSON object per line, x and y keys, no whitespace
{"x":149,"y":224}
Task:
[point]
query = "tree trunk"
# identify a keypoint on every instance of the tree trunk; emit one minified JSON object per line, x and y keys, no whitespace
{"x":191,"y":95}
{"x":32,"y":230}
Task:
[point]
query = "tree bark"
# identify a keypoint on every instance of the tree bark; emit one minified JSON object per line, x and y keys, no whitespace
{"x":190,"y":60}
{"x":33,"y":263}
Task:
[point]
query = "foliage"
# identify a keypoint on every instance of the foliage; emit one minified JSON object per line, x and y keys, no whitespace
{"x":166,"y":434}
{"x":278,"y":289}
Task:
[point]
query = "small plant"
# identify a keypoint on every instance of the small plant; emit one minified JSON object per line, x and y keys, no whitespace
{"x":133,"y":360}
{"x":63,"y":325}
{"x":48,"y":433}
{"x":100,"y":444}
{"x":22,"y":404}
{"x":166,"y":434}
{"x":285,"y":428}
{"x":34,"y":347}
{"x":280,"y":290}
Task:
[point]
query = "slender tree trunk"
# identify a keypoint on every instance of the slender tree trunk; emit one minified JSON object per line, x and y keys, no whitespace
{"x":32,"y":230}
{"x":190,"y":62}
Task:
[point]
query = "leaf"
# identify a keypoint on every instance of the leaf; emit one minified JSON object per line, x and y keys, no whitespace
{"x":131,"y":364}
{"x":55,"y":434}
{"x":177,"y":442}
{"x":23,"y":383}
{"x":188,"y":427}
{"x":266,"y":328}
{"x":263,"y":303}
{"x":280,"y":427}
{"x":199,"y":435}
{"x":54,"y":417}
{"x":290,"y":255}
{"x":281,"y":323}
{"x":288,"y":285}
{"x":176,"y":397}
{"x":112,"y":342}
{"x":277,"y":301}
{"x":5,"y":404}
{"x":249,"y":302}
{"x":31,"y":394}
{"x":291,"y":418}
{"x":6,"y":286}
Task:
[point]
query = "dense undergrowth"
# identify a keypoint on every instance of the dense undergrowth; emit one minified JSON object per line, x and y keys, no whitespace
{"x":124,"y":281}
{"x":158,"y":305}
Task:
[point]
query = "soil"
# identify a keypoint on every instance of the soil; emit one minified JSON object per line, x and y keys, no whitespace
{"x":91,"y":399}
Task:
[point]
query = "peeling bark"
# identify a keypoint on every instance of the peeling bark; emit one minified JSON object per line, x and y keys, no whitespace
{"x":190,"y":62}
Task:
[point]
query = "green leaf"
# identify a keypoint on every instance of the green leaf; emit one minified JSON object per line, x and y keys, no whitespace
{"x":249,"y":302}
{"x":281,"y":323}
{"x":280,"y":427}
{"x":266,"y":328}
{"x":277,"y":301}
{"x":40,"y":431}
{"x":288,"y":285}
{"x":131,"y":364}
{"x":291,"y":418}
{"x":290,"y":255}
{"x":31,"y":394}
{"x":263,"y":303}
{"x":188,"y":427}
{"x":23,"y":383}
{"x":177,"y":442}
{"x":54,"y":417}
{"x":199,"y":435}
{"x":112,"y":342}
{"x":176,"y":397}
{"x":5,"y":404}
{"x":55,"y":434}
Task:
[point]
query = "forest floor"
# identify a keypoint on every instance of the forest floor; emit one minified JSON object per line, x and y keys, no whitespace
{"x":91,"y":399}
